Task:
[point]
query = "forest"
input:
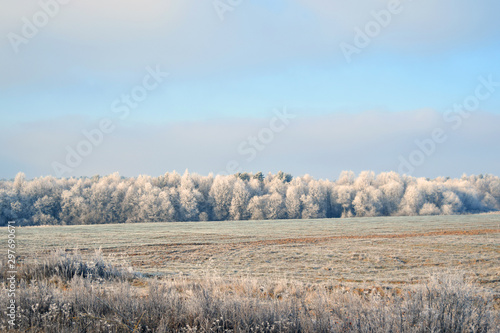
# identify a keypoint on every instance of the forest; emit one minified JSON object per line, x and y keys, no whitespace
{"x":244,"y":196}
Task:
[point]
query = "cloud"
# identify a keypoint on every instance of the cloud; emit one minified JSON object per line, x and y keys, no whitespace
{"x":113,"y":37}
{"x":321,"y":145}
{"x":420,"y":25}
{"x":92,"y":49}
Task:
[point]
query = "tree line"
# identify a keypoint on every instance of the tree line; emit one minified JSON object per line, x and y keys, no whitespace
{"x":244,"y":196}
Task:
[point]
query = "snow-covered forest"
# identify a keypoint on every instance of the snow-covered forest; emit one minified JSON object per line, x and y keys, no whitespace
{"x":192,"y":197}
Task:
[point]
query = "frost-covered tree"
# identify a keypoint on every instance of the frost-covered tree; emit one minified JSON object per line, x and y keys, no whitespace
{"x":392,"y":189}
{"x":256,"y":207}
{"x":189,"y":198}
{"x":429,"y":209}
{"x":346,"y":178}
{"x":45,"y":211}
{"x":221,"y":195}
{"x":293,"y":201}
{"x":311,"y":209}
{"x":19,"y":183}
{"x":275,"y":207}
{"x":192,"y":197}
{"x":318,"y":193}
{"x":239,"y":203}
{"x":364,"y":180}
{"x":345,"y":197}
{"x":368,"y":202}
{"x":451,"y":203}
{"x":412,"y":201}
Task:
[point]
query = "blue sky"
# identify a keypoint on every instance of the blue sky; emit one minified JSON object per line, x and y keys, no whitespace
{"x":227,"y":76}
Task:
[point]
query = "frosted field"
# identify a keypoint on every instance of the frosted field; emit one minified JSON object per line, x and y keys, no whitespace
{"x":382,"y":250}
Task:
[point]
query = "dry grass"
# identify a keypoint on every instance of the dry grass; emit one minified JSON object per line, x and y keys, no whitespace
{"x":371,"y":251}
{"x":66,"y":265}
{"x":446,"y":303}
{"x":352,"y":275}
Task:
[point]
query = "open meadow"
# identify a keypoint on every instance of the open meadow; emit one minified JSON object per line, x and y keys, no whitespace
{"x":381,"y":250}
{"x":390,"y":274}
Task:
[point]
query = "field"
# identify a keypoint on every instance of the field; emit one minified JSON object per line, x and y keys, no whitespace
{"x":397,"y":274}
{"x":384,"y":250}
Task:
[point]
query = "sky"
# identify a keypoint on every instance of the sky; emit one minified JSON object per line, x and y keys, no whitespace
{"x":304,"y":86}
